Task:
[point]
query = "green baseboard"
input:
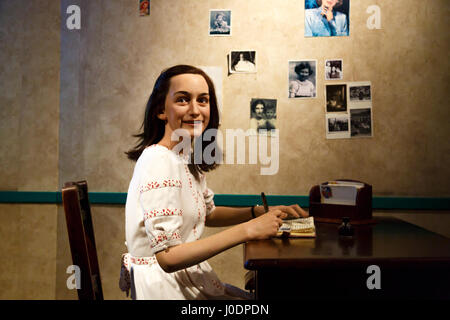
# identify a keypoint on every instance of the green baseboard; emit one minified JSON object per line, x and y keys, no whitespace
{"x":234,"y":200}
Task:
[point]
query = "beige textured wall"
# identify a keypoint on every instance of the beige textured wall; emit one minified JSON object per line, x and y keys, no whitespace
{"x":69,"y":102}
{"x":29,"y":111}
{"x":121,"y":54}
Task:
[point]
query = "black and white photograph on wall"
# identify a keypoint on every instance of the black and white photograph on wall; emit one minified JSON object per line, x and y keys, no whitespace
{"x":327,"y":18}
{"x":336,"y":95}
{"x":263,"y":114}
{"x":361,"y":122}
{"x":220,"y":22}
{"x":302,"y":79}
{"x":360,"y":92}
{"x":242,"y":61}
{"x":337,"y":126}
{"x":334,"y":69}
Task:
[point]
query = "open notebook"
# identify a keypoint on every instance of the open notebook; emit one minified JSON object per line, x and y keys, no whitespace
{"x":296,"y":228}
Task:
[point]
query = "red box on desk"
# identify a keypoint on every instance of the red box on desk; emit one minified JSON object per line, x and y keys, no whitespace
{"x":360,"y":213}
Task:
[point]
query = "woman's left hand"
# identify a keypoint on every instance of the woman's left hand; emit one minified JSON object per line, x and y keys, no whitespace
{"x":292,"y":211}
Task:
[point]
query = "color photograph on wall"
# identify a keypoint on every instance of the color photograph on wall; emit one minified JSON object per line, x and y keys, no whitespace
{"x":302,"y":79}
{"x":242,"y":62}
{"x":144,"y":7}
{"x":220,"y":22}
{"x":336,"y":96}
{"x":334,"y":69}
{"x":263,"y":114}
{"x":327,"y":18}
{"x":361,"y":122}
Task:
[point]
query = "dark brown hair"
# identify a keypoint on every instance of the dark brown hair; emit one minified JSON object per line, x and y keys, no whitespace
{"x":154,"y":128}
{"x":338,"y":3}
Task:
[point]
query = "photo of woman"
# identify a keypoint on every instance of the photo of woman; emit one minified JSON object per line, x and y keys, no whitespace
{"x":220,"y":22}
{"x":302,"y":79}
{"x":328,"y":19}
{"x":242,"y":62}
{"x":263,"y":114}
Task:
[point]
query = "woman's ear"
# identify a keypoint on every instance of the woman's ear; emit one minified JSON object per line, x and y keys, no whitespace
{"x":162,"y":116}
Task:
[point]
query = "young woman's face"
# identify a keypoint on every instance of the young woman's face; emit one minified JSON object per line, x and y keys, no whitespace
{"x":259,"y":109}
{"x":187,"y":104}
{"x":329,"y":3}
{"x":304,"y":74}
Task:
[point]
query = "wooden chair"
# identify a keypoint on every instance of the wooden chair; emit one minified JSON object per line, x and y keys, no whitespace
{"x":81,"y":237}
{"x":249,"y":280}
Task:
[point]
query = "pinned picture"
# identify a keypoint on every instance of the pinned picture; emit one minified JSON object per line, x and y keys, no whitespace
{"x":361,"y":122}
{"x":336,"y":96}
{"x":360,"y":93}
{"x":327,"y":18}
{"x":337,"y":126}
{"x":302,"y":79}
{"x":263,"y":115}
{"x":334,"y":69}
{"x":242,"y":62}
{"x":144,"y":7}
{"x":219,"y":22}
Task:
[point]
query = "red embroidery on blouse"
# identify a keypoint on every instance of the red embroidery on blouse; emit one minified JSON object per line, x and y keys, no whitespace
{"x":162,"y":212}
{"x":161,"y":184}
{"x":163,"y":237}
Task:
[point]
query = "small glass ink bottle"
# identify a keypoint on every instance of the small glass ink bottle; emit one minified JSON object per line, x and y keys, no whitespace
{"x":346,"y":229}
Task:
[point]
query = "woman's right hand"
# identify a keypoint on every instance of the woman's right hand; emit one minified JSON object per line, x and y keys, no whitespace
{"x":264,"y":226}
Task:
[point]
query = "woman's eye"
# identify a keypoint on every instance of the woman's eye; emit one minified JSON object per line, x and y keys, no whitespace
{"x":203,"y":100}
{"x":182,"y":100}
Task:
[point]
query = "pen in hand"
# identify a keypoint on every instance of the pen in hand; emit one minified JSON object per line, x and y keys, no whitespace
{"x":266,"y":207}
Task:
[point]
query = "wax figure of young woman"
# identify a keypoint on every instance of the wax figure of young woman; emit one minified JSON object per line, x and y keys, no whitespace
{"x":169,"y":203}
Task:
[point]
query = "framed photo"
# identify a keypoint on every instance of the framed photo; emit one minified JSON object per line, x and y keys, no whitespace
{"x":325,"y":18}
{"x":302,"y":79}
{"x":334,"y":69}
{"x":242,"y":62}
{"x":336,"y":96}
{"x":220,"y":22}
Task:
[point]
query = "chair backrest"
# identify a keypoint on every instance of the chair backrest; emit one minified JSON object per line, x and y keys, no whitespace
{"x":81,"y":237}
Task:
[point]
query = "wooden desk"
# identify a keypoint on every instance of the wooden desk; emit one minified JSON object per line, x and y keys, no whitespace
{"x":413,"y":262}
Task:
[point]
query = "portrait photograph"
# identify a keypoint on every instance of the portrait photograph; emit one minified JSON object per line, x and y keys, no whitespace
{"x":144,"y":8}
{"x":360,"y":92}
{"x":361,"y":122}
{"x":302,"y":79}
{"x":337,"y":126}
{"x":336,"y":96}
{"x":263,"y":114}
{"x":242,"y":62}
{"x":327,"y":18}
{"x":220,"y":22}
{"x":334,"y":69}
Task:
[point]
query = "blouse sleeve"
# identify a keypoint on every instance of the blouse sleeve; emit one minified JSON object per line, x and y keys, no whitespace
{"x":208,"y":195}
{"x":160,"y":199}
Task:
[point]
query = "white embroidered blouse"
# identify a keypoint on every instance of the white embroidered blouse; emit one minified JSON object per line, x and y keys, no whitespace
{"x":167,"y":206}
